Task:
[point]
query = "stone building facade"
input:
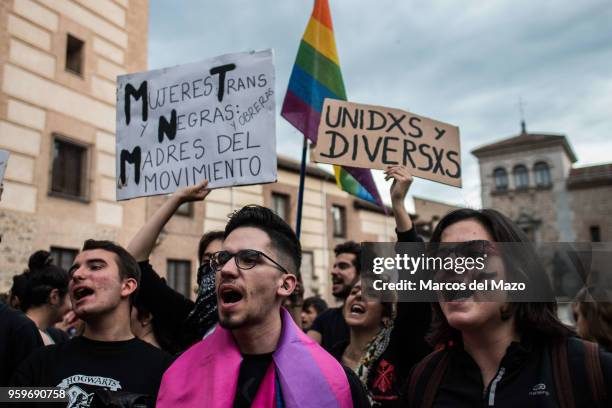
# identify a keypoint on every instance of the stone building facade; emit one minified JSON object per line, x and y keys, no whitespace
{"x":531,"y":177}
{"x":58,"y":66}
{"x":427,"y":214}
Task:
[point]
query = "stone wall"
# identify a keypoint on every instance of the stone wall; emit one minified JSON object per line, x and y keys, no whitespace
{"x":592,"y":207}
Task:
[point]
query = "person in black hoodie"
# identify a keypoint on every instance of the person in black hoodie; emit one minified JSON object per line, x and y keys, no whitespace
{"x":500,"y":353}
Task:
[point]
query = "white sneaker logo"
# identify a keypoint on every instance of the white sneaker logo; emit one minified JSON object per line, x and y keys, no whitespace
{"x":539,"y":389}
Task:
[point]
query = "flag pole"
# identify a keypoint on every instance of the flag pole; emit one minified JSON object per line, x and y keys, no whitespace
{"x":298,"y":220}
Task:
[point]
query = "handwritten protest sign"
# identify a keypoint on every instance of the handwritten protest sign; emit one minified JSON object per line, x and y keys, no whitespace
{"x":4,"y":155}
{"x":367,"y":136}
{"x":211,"y":120}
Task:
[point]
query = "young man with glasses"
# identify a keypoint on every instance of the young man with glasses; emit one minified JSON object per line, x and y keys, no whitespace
{"x":258,"y":356}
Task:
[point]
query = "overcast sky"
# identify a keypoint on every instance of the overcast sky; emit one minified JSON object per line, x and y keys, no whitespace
{"x":462,"y":62}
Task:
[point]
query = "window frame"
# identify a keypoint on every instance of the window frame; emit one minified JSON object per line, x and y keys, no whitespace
{"x":85,"y":169}
{"x":502,"y":173}
{"x":62,"y":251}
{"x":309,"y":275}
{"x":542,"y":167}
{"x":286,"y":204}
{"x":595,"y":233}
{"x":516,"y":176}
{"x":81,"y":71}
{"x":172,"y":281}
{"x":342,"y":210}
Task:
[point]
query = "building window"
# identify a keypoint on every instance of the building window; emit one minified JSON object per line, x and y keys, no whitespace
{"x":521,"y":177}
{"x":179,"y":276}
{"x":69,"y":169}
{"x":501,"y":179}
{"x":542,"y":174}
{"x":308,"y":275}
{"x":185,"y":209}
{"x":74,"y":55}
{"x":280,"y":205}
{"x":595,"y":233}
{"x":63,"y":257}
{"x":339,"y":219}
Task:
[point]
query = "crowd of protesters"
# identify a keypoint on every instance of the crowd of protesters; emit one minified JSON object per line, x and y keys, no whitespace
{"x":112,"y":333}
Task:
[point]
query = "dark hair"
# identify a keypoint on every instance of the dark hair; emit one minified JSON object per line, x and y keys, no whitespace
{"x":18,"y":290}
{"x":282,"y":237}
{"x":597,"y":316}
{"x":536,"y":319}
{"x":160,"y":331}
{"x":350,"y":247}
{"x":127,"y":265}
{"x":319,"y":304}
{"x":37,"y":282}
{"x":206,"y":239}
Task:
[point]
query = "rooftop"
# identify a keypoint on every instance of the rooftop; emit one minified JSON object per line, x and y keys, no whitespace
{"x":590,"y":176}
{"x":525,"y":141}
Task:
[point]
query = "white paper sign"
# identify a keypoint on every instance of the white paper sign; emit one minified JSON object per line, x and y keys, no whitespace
{"x":4,"y":156}
{"x":211,"y":120}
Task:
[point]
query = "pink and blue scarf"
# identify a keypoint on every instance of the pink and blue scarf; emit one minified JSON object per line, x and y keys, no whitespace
{"x":302,"y":374}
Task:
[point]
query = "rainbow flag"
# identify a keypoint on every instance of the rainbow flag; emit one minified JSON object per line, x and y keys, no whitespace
{"x":316,"y":75}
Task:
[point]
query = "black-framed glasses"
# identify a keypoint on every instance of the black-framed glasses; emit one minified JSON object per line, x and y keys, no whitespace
{"x":245,"y":259}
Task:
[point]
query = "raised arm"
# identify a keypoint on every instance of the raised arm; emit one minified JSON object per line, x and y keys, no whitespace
{"x":143,"y":242}
{"x":402,"y":179}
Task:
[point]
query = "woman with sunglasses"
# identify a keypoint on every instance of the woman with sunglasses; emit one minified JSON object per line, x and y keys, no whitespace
{"x":500,"y":353}
{"x":188,"y":321}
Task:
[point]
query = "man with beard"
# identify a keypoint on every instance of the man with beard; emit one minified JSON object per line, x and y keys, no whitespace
{"x":330,"y":328}
{"x":107,"y":361}
{"x":257,"y":356}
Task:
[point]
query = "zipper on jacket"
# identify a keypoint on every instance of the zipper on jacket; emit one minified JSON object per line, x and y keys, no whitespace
{"x":493,"y":386}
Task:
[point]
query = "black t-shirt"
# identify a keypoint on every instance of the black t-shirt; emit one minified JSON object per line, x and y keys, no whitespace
{"x":58,"y":336}
{"x":82,"y":365}
{"x":333,"y":328}
{"x":253,"y":370}
{"x":18,"y":338}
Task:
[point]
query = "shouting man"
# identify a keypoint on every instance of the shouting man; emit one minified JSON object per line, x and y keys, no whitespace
{"x":258,"y":356}
{"x":107,"y":362}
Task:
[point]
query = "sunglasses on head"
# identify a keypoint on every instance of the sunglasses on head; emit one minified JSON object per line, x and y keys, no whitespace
{"x":245,"y":259}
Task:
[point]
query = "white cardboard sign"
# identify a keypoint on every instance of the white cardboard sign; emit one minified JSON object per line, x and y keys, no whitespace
{"x":211,"y":120}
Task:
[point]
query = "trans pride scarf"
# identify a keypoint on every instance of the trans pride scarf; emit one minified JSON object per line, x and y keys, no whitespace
{"x":302,"y":374}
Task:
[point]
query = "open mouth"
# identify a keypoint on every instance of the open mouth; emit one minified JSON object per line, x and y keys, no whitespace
{"x":457,"y":295}
{"x":82,"y":292}
{"x":230,"y":295}
{"x":337,"y":280}
{"x":356,"y":308}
